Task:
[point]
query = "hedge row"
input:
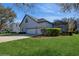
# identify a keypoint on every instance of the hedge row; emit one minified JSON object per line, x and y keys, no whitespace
{"x":51,"y":31}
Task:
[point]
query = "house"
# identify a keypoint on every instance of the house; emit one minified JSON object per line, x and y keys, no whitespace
{"x":11,"y":27}
{"x":32,"y":25}
{"x":61,"y":24}
{"x":77,"y":24}
{"x":14,"y":27}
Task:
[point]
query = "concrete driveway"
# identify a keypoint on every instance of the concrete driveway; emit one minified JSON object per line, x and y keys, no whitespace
{"x":10,"y":38}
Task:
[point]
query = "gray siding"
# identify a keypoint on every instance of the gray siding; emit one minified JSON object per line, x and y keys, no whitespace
{"x":30,"y":26}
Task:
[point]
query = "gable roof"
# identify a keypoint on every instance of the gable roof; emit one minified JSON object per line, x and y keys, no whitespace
{"x":35,"y":19}
{"x":41,"y":20}
{"x":23,"y":19}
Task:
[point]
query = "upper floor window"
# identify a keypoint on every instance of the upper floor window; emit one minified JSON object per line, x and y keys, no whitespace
{"x":26,"y":19}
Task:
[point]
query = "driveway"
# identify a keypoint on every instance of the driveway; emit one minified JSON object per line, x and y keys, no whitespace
{"x":10,"y":38}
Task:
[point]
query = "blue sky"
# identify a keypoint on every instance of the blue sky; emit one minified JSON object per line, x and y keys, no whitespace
{"x":47,"y":11}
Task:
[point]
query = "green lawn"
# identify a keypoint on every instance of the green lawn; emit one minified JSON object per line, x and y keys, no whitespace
{"x":62,"y":45}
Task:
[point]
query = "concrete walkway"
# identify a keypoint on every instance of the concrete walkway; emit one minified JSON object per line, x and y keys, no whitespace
{"x":10,"y":38}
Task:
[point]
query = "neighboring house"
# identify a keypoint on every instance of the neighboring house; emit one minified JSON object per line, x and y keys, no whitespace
{"x":32,"y":25}
{"x":62,"y":25}
{"x":77,"y":25}
{"x":14,"y":27}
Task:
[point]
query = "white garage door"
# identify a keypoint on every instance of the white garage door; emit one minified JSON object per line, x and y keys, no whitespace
{"x":34,"y":31}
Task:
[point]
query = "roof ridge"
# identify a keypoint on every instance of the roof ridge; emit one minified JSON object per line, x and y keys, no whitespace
{"x":33,"y":18}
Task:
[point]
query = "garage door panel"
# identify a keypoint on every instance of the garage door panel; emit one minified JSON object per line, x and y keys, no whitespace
{"x":34,"y":31}
{"x":31,"y":31}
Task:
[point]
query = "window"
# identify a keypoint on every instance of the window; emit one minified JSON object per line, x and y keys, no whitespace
{"x":26,"y":19}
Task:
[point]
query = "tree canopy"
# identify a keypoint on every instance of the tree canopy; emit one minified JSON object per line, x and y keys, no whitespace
{"x":6,"y":14}
{"x":64,"y":6}
{"x":69,"y":6}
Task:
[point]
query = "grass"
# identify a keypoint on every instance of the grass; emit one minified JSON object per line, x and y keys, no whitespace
{"x":44,"y":46}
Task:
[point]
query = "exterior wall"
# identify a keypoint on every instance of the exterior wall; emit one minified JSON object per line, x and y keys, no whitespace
{"x":45,"y":24}
{"x":15,"y":27}
{"x":32,"y":27}
{"x":34,"y":31}
{"x":63,"y":27}
{"x":78,"y":25}
{"x":30,"y":24}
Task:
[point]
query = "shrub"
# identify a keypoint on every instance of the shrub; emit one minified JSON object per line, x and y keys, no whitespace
{"x":64,"y":33}
{"x":70,"y":33}
{"x":76,"y":32}
{"x":7,"y":31}
{"x":14,"y":32}
{"x":51,"y":31}
{"x":22,"y":32}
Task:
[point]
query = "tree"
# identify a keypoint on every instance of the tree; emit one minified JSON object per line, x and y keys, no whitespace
{"x":69,"y":7}
{"x":70,"y":24}
{"x":25,"y":6}
{"x":6,"y":14}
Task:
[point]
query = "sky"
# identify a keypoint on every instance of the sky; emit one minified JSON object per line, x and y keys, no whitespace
{"x":49,"y":11}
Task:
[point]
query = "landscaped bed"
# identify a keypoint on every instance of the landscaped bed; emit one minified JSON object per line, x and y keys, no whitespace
{"x":61,"y":45}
